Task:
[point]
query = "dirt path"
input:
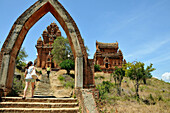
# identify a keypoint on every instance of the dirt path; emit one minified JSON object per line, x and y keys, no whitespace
{"x":52,"y":86}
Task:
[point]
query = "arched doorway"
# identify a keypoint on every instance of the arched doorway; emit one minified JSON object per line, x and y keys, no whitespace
{"x":84,"y":72}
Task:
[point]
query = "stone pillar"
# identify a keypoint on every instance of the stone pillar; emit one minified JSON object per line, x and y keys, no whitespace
{"x":78,"y":72}
{"x":4,"y":72}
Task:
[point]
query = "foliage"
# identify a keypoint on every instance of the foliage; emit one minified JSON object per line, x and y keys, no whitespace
{"x":147,"y":73}
{"x":155,"y":93}
{"x":69,"y":84}
{"x":61,"y":78}
{"x":40,"y":72}
{"x":118,"y":75}
{"x":136,"y":71}
{"x":68,"y":65}
{"x":61,"y":50}
{"x":97,"y":68}
{"x":104,"y":88}
{"x":21,"y":58}
{"x":18,"y":86}
{"x":67,"y":81}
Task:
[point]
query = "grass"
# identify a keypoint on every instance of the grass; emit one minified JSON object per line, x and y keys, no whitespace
{"x":153,"y":97}
{"x":67,"y":80}
{"x":18,"y":84}
{"x":61,"y":78}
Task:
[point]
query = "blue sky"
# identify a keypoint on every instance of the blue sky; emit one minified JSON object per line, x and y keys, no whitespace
{"x":141,"y":27}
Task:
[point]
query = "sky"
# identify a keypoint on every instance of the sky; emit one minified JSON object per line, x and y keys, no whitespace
{"x":141,"y":27}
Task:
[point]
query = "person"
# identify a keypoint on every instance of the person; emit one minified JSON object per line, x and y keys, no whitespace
{"x":29,"y":79}
{"x":48,"y":71}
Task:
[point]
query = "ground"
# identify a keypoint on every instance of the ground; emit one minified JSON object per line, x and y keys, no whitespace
{"x":51,"y":86}
{"x":154,"y":96}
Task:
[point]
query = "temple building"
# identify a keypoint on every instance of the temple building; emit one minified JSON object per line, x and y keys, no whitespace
{"x":108,"y":56}
{"x":44,"y":47}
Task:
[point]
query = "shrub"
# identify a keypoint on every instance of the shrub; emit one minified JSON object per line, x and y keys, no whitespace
{"x":72,"y":75}
{"x":17,"y":87}
{"x":142,"y":88}
{"x":160,"y":98}
{"x":69,"y":84}
{"x":96,"y":77}
{"x":104,"y":89}
{"x":67,"y":65}
{"x":40,"y":72}
{"x":102,"y":77}
{"x":151,"y":97}
{"x":97,"y":68}
{"x":61,"y":78}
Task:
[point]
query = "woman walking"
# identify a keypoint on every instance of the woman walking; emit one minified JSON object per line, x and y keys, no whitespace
{"x":29,"y":79}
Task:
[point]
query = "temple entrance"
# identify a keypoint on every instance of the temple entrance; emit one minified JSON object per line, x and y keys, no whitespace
{"x":52,"y":65}
{"x":84,"y":73}
{"x":106,"y":65}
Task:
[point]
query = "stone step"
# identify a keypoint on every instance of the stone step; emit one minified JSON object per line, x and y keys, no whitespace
{"x":44,"y":94}
{"x":37,"y":105}
{"x":39,"y":110}
{"x":39,"y":99}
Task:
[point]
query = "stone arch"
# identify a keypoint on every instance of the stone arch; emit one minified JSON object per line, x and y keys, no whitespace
{"x":84,"y":72}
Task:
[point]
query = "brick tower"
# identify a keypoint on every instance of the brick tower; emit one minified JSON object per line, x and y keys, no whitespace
{"x":44,"y":47}
{"x":108,"y":56}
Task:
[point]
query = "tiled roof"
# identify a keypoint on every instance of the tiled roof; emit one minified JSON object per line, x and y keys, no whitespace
{"x":107,"y":45}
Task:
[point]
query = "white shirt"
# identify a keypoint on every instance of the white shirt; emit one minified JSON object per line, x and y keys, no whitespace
{"x":29,"y":70}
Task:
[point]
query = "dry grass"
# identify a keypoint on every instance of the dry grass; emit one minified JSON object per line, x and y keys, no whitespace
{"x":154,"y":97}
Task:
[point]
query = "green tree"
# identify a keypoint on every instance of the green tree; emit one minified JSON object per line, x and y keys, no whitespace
{"x":67,"y":65}
{"x":97,"y":68}
{"x":104,"y":88}
{"x":118,"y":75}
{"x":147,"y":73}
{"x":136,"y":71}
{"x":21,"y":58}
{"x":61,"y":50}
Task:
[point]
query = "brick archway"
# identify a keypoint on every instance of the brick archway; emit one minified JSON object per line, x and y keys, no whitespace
{"x":84,"y":73}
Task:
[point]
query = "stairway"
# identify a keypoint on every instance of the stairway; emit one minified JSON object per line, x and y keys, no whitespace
{"x":43,"y":87}
{"x":38,"y":105}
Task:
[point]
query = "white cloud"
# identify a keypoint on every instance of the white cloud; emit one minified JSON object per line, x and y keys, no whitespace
{"x":149,"y":48}
{"x":166,"y":76}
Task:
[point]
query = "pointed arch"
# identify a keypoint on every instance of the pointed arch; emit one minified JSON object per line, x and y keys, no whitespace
{"x":12,"y":44}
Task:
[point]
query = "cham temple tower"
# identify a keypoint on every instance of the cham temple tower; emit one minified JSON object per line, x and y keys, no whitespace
{"x":44,"y":47}
{"x":108,"y":56}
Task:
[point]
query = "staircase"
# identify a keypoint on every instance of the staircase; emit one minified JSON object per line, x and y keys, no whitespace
{"x":38,"y":105}
{"x":43,"y":87}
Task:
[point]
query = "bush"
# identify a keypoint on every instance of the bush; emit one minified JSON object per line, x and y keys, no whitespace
{"x":151,"y":97}
{"x":67,"y":65}
{"x":69,"y":84}
{"x":61,"y":78}
{"x":160,"y":98}
{"x":17,"y":87}
{"x":104,"y":89}
{"x":97,"y":68}
{"x":72,"y":75}
{"x":40,"y":72}
{"x":96,"y":77}
{"x":101,"y":77}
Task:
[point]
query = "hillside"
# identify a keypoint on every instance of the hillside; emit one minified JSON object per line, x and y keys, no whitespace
{"x":154,"y":96}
